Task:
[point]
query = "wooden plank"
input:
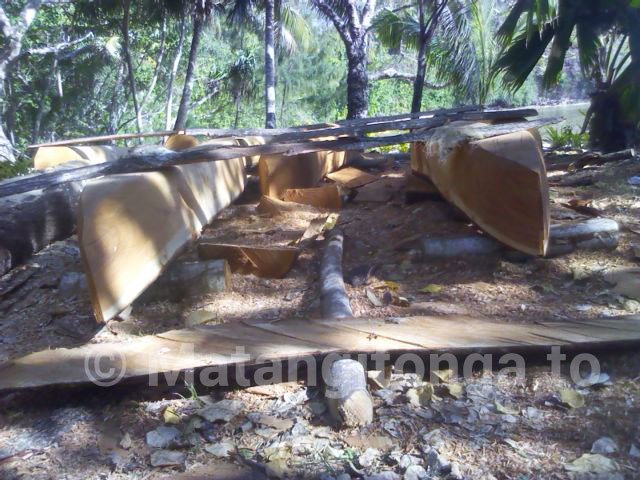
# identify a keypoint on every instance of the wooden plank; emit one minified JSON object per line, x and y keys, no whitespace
{"x":279,"y":173}
{"x":271,"y":262}
{"x":131,"y":226}
{"x":161,"y":158}
{"x":250,"y":344}
{"x":326,"y":196}
{"x":350,"y":177}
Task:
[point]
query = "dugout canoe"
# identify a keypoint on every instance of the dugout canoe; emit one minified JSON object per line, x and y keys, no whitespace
{"x":500,"y":183}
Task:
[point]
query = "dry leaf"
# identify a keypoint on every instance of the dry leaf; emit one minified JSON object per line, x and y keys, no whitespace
{"x":431,"y":288}
{"x":275,"y":422}
{"x":421,"y":395}
{"x":444,"y":375}
{"x":506,"y":410}
{"x":171,"y":416}
{"x":456,"y":390}
{"x":392,"y":285}
{"x":592,"y":463}
{"x":571,"y":398}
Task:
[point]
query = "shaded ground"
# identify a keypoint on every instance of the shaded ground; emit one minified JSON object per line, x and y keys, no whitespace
{"x":496,"y":428}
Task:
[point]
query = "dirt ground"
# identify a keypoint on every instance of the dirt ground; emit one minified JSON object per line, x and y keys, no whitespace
{"x":494,"y":428}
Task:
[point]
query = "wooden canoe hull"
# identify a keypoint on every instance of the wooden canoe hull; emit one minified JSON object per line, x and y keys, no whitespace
{"x":279,"y":173}
{"x":132,"y":225}
{"x":500,"y":183}
{"x":46,"y":157}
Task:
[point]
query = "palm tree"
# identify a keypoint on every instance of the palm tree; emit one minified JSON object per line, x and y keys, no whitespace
{"x":457,"y":41}
{"x":283,"y":26}
{"x":534,"y":25}
{"x":353,"y":23}
{"x":201,"y":10}
{"x":396,"y":27}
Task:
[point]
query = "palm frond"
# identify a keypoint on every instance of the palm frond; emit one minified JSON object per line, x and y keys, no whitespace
{"x":518,"y":61}
{"x":294,"y":29}
{"x":394,"y":29}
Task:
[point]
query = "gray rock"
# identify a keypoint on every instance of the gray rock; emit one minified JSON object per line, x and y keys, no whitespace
{"x":604,"y":446}
{"x":415,"y":472}
{"x":435,"y":462}
{"x":343,"y":476}
{"x":368,"y":457}
{"x":219,"y":449}
{"x":455,"y":473}
{"x":298,"y":430}
{"x":162,"y":436}
{"x":318,"y":408}
{"x":167,"y":458}
{"x":224,"y":410}
{"x":407,"y":460}
{"x":634,"y":451}
{"x":72,"y":283}
{"x":387,"y":475}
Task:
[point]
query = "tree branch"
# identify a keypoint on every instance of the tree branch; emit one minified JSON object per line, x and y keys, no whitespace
{"x":326,"y":10}
{"x":393,"y":74}
{"x":56,"y":49}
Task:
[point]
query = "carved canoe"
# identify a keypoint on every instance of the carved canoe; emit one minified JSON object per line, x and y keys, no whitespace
{"x":500,"y":183}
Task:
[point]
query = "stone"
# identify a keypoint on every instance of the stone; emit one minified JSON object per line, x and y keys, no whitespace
{"x":455,"y":473}
{"x":72,"y":283}
{"x":219,"y":449}
{"x":126,"y":441}
{"x":604,"y":445}
{"x":343,"y":476}
{"x":407,"y":460}
{"x":162,"y":436}
{"x":368,"y":457}
{"x":224,"y":410}
{"x":386,"y":475}
{"x":435,"y":462}
{"x":415,"y":472}
{"x":167,"y":458}
{"x":634,"y":451}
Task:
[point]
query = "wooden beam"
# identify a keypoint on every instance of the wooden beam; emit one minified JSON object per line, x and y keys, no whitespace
{"x":160,"y":158}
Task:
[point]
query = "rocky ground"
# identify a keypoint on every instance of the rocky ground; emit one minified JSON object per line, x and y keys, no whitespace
{"x":483,"y":427}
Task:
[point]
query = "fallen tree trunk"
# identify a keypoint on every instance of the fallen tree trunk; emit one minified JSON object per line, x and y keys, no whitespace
{"x":335,"y":303}
{"x":161,"y":157}
{"x":31,"y":221}
{"x":592,"y":234}
{"x":346,"y":391}
{"x":565,"y":162}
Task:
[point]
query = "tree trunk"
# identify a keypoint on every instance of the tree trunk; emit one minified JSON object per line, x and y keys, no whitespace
{"x":418,"y":84}
{"x":269,"y":67}
{"x":183,"y":110}
{"x":172,"y":75}
{"x":357,"y":83}
{"x":12,"y":45}
{"x":129,"y":60}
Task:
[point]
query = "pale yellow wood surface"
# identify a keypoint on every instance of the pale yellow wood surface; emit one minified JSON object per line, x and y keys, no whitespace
{"x":46,"y":157}
{"x":499,"y":182}
{"x":217,"y":345}
{"x":131,"y":226}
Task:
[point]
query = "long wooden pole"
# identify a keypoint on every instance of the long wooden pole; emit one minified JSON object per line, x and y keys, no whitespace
{"x":392,"y":122}
{"x":159,"y":157}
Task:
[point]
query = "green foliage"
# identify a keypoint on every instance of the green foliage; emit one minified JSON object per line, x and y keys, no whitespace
{"x":566,"y":137}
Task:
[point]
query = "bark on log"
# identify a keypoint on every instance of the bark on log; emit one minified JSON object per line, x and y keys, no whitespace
{"x":158,"y":158}
{"x":335,"y":303}
{"x":592,"y":234}
{"x":31,"y":221}
{"x":565,"y":162}
{"x":346,"y":383}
